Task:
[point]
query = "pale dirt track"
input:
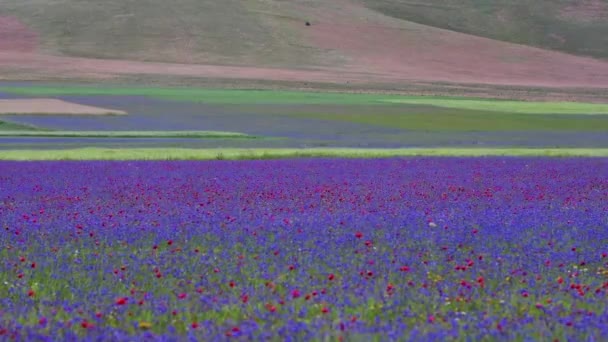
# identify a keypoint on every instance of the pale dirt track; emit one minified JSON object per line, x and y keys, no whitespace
{"x":51,"y":106}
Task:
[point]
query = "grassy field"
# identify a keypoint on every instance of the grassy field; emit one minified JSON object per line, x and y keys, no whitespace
{"x":126,"y":134}
{"x":216,"y":96}
{"x":237,"y":154}
{"x":521,"y":107}
{"x":460,"y":120}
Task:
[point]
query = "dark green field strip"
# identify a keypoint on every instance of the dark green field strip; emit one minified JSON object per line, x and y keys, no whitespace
{"x":460,"y":120}
{"x":7,"y":126}
{"x":127,"y":134}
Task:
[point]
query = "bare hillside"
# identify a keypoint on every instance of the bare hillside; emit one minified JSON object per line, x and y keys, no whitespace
{"x":346,"y":41}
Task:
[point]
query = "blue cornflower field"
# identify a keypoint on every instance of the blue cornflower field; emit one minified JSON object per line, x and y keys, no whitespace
{"x":327,"y":249}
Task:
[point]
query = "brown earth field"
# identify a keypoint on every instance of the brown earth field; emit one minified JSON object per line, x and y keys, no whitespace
{"x":52,"y":106}
{"x":355,"y":48}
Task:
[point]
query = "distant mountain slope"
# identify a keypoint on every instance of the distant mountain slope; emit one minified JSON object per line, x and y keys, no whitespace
{"x":346,"y":41}
{"x":574,"y":26}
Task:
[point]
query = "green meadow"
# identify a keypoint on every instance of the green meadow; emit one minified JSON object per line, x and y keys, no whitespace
{"x":523,"y":107}
{"x":431,"y":119}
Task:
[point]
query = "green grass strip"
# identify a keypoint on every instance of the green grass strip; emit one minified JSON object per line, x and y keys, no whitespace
{"x":433,"y":119}
{"x":522,"y":107}
{"x":261,"y":153}
{"x":129,"y":134}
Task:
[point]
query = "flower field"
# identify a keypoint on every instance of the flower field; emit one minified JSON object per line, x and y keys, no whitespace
{"x":385,"y":249}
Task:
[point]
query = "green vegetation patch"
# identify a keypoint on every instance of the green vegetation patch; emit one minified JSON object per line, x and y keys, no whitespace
{"x":469,"y":121}
{"x":523,"y":107}
{"x":128,"y":134}
{"x":7,"y":126}
{"x":233,"y":154}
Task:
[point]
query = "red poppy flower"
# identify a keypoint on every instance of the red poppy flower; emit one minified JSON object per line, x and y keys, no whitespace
{"x":122,"y":301}
{"x":87,"y":325}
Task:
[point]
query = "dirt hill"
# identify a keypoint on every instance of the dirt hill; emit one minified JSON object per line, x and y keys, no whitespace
{"x":354,"y":41}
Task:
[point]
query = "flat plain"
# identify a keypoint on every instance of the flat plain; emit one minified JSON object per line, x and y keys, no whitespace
{"x":290,"y":119}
